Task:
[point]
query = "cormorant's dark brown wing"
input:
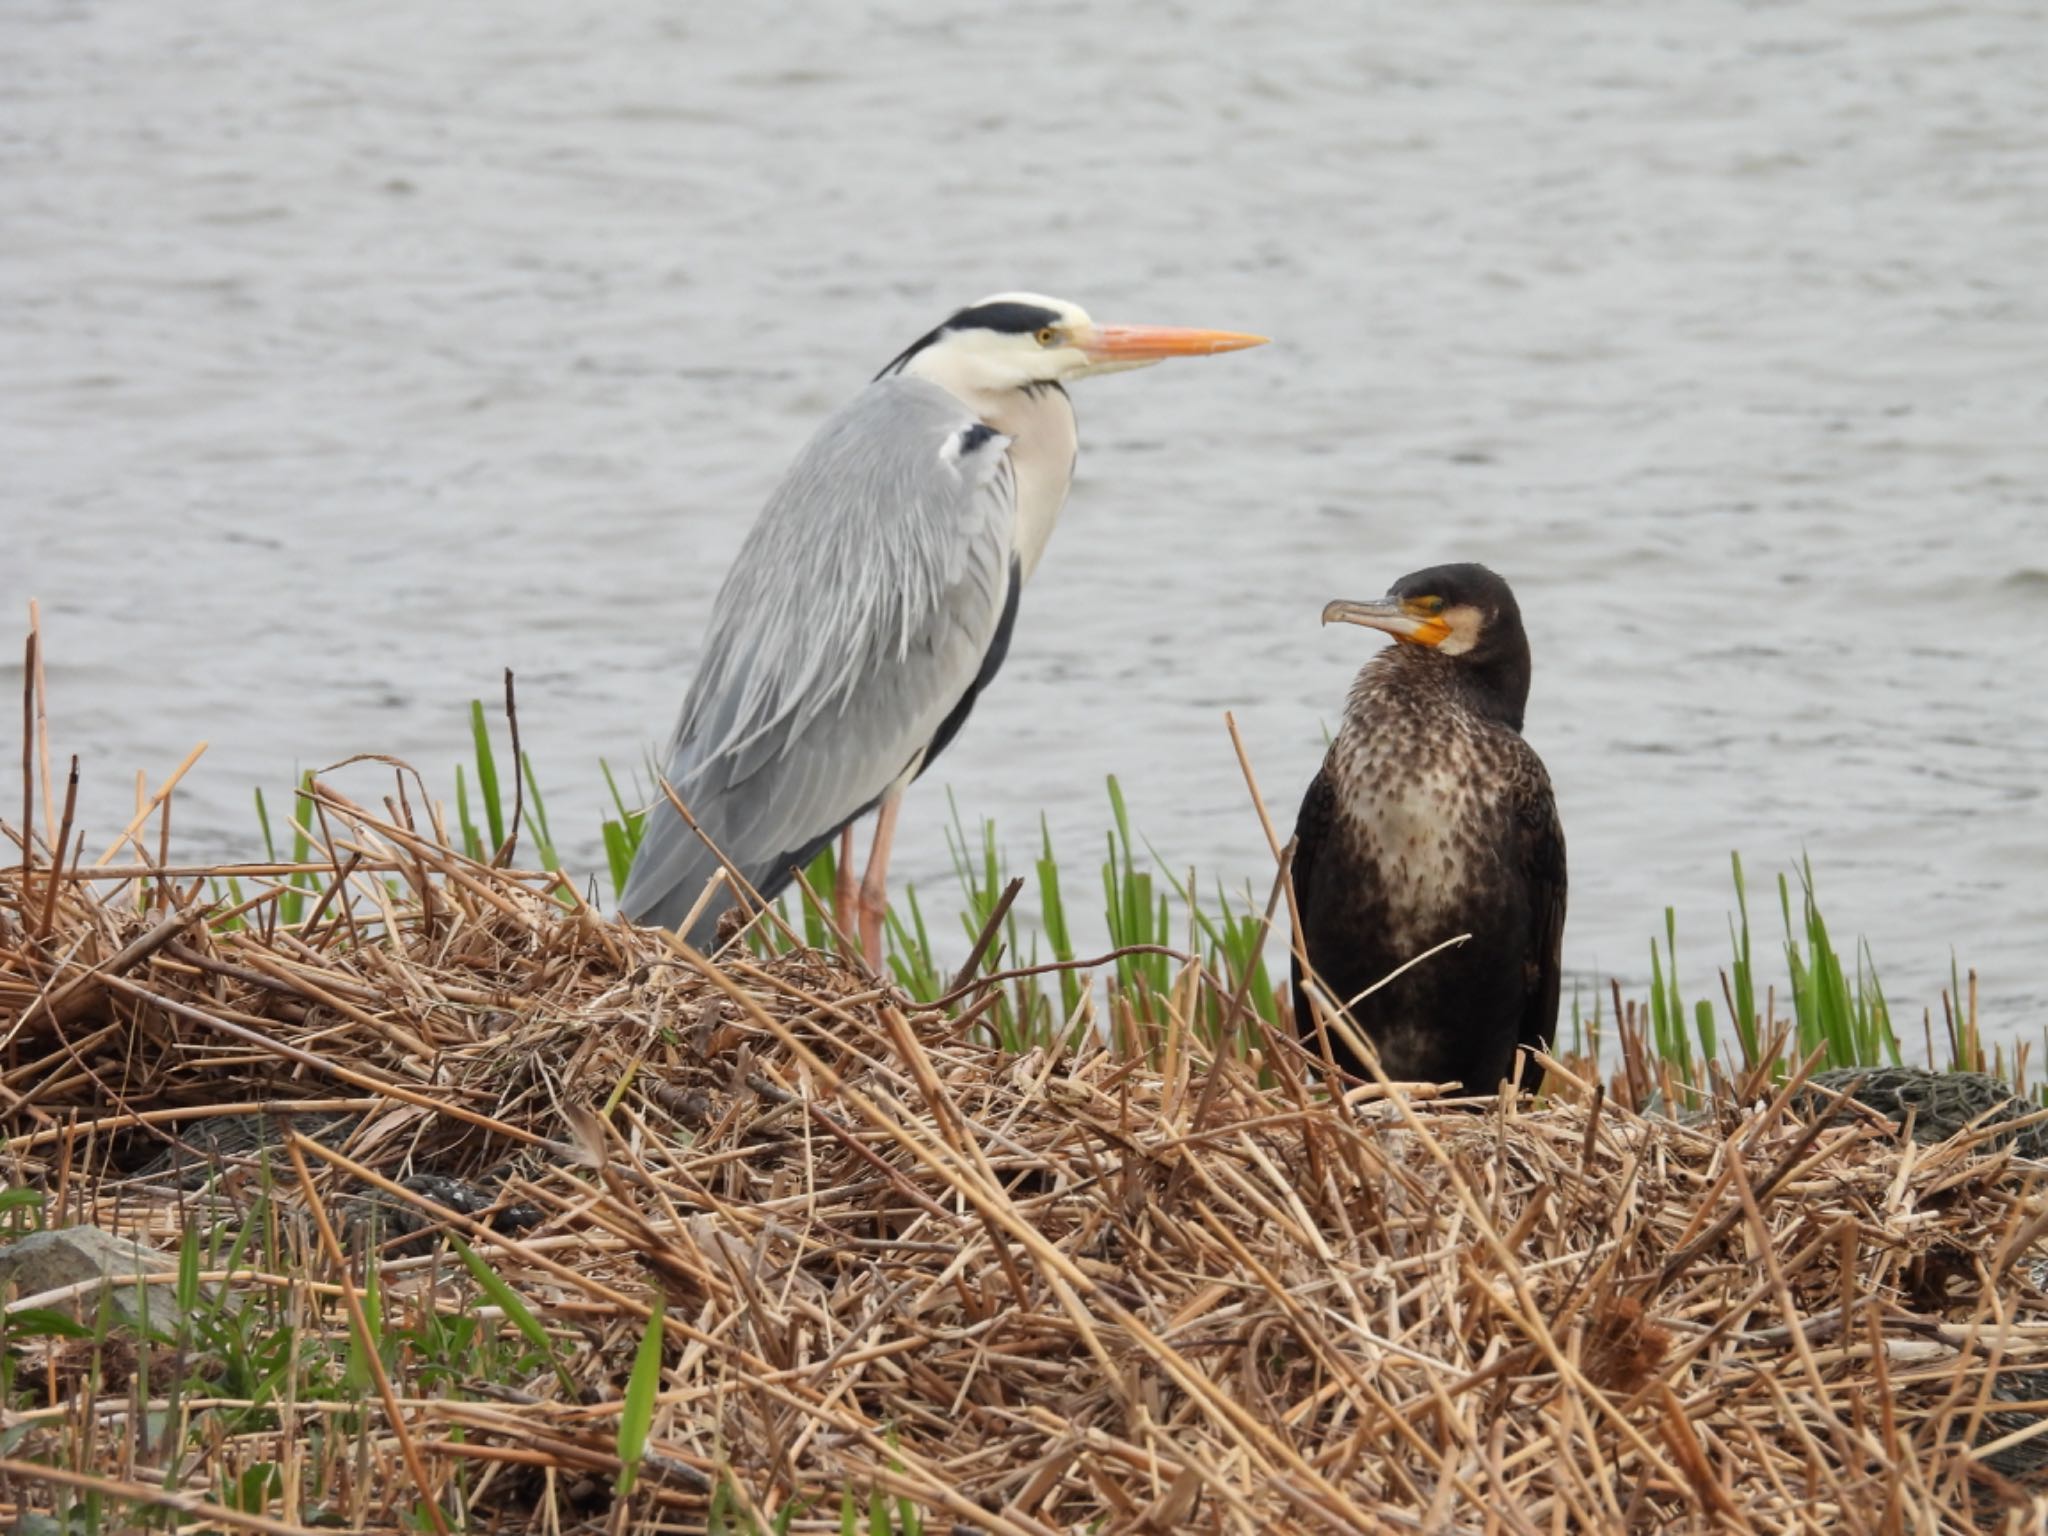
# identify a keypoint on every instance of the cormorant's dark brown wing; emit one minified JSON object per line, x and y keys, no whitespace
{"x":1543,"y":867}
{"x":1311,"y":831}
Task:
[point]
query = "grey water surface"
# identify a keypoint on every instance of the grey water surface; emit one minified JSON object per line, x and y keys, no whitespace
{"x":349,"y":354}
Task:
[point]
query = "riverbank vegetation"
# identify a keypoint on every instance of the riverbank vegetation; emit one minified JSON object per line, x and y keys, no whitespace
{"x":1819,"y":998}
{"x":767,"y":1243}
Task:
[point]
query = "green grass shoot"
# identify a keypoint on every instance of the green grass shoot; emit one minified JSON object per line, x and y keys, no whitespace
{"x":636,"y":1415}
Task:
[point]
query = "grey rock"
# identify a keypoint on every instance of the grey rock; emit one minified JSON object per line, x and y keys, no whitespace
{"x":206,"y":1148}
{"x":1939,"y":1104}
{"x":65,"y":1256}
{"x":203,"y":1148}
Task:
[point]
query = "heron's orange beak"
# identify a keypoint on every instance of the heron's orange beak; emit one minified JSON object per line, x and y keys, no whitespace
{"x":1149,"y":343}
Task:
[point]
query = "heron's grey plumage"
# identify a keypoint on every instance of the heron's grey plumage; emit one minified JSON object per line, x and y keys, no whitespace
{"x":855,"y":619}
{"x":874,"y":600}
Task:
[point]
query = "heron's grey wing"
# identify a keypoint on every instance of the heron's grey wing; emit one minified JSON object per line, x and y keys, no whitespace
{"x":856,"y":618}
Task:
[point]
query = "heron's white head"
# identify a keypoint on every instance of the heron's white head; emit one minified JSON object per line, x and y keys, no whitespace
{"x":1016,"y":340}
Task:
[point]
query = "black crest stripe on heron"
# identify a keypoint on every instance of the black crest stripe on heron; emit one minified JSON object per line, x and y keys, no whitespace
{"x":1002,"y":317}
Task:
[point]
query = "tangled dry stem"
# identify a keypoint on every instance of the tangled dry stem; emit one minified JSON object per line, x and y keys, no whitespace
{"x":1049,"y":1292}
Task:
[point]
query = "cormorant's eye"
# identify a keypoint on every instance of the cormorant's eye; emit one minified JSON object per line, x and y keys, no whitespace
{"x":1430,"y":605}
{"x":1047,"y":336}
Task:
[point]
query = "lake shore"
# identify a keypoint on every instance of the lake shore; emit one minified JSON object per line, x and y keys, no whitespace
{"x":1163,"y":1284}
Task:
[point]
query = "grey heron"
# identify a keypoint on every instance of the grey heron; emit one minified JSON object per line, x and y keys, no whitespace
{"x":873,"y":601}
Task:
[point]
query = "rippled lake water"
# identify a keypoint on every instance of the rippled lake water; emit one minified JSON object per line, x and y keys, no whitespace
{"x":350,"y":354}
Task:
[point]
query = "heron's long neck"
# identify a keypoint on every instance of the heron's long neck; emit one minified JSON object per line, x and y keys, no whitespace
{"x":1039,"y":421}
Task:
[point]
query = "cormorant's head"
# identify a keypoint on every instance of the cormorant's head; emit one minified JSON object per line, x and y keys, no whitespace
{"x":1464,"y":612}
{"x":1015,"y":340}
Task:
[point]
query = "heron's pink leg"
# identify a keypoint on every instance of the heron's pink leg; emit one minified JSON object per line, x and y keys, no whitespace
{"x":874,"y":885}
{"x":842,"y":882}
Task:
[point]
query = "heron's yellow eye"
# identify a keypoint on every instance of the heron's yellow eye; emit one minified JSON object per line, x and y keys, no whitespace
{"x":1048,"y":336}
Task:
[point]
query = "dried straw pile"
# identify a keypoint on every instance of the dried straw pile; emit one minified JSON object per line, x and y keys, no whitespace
{"x":1030,"y":1295}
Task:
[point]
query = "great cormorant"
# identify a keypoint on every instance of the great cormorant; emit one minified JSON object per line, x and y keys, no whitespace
{"x":1431,"y":818}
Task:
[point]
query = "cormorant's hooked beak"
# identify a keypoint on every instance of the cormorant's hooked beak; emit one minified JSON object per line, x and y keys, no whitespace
{"x":1109,"y":348}
{"x":1394,"y":616}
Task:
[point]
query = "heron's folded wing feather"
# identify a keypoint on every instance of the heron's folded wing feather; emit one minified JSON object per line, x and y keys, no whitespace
{"x":855,"y":616}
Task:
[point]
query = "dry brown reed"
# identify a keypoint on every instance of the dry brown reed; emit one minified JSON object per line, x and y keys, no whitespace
{"x":1027,"y":1294}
